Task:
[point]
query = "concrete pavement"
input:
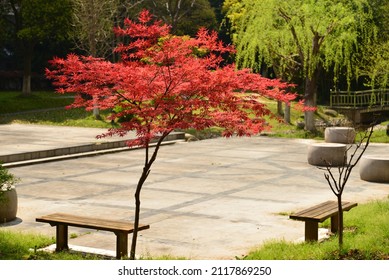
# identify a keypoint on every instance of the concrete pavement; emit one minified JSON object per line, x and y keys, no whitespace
{"x":211,"y":199}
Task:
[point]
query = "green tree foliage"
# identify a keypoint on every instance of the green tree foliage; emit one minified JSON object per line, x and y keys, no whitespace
{"x":300,"y":37}
{"x":381,"y":17}
{"x":32,"y":21}
{"x":374,"y":66}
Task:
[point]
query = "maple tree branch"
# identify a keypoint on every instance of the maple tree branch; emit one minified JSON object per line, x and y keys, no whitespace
{"x":125,"y":98}
{"x":147,"y":154}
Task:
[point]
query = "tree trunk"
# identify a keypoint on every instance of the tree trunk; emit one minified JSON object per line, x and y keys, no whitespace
{"x":27,"y":61}
{"x":287,"y":113}
{"x":279,"y":108}
{"x":145,"y":173}
{"x":96,"y":110}
{"x":311,"y":81}
{"x":309,"y":117}
{"x":310,"y":100}
{"x":142,"y":179}
{"x":340,"y":223}
{"x":93,"y":52}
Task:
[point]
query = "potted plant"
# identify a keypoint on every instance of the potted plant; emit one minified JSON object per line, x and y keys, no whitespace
{"x":8,"y":196}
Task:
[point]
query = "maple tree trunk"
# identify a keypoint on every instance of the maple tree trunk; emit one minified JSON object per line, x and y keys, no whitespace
{"x":145,"y":173}
{"x":142,"y":179}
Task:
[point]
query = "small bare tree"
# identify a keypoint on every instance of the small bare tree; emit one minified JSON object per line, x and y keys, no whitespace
{"x":338,"y":183}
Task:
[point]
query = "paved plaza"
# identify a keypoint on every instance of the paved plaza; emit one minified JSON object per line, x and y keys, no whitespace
{"x":210,"y":199}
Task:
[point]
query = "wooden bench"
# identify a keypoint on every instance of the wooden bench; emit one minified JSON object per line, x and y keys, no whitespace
{"x":319,"y":213}
{"x":62,"y":221}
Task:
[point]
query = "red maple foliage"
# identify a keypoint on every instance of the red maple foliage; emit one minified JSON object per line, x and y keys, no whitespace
{"x":165,"y":82}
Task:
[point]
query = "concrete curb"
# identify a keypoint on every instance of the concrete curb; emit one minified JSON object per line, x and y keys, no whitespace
{"x":34,"y":157}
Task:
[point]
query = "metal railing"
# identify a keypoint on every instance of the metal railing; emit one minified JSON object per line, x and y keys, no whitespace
{"x":355,"y":99}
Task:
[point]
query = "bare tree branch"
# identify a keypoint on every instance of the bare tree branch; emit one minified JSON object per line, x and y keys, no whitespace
{"x":337,"y":187}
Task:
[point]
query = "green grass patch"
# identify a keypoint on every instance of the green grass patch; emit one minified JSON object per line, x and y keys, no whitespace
{"x":38,"y":109}
{"x":25,"y":246}
{"x":366,"y":237}
{"x":73,"y":117}
{"x":11,"y":102}
{"x":16,"y":246}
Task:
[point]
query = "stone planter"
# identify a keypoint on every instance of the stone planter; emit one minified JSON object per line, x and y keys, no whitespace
{"x":345,"y":135}
{"x":8,"y":206}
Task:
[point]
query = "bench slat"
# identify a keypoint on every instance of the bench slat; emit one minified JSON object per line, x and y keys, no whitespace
{"x":87,"y":222}
{"x":322,"y":211}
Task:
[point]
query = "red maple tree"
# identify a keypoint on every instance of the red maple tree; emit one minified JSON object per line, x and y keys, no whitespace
{"x":165,"y":82}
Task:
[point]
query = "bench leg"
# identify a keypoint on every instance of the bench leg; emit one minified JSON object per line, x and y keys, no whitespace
{"x":311,"y":230}
{"x":62,"y":238}
{"x":121,"y":245}
{"x":334,"y":223}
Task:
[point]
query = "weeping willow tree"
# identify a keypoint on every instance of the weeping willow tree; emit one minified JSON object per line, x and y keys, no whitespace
{"x":375,"y":65}
{"x":300,"y":37}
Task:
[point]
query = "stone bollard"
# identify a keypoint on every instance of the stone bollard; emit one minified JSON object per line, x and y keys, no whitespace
{"x":374,"y":168}
{"x":327,"y":154}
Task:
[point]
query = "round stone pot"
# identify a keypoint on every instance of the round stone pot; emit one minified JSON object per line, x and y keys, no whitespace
{"x":8,"y":206}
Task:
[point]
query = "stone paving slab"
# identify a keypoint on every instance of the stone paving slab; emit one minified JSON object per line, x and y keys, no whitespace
{"x":211,"y":199}
{"x":16,"y":138}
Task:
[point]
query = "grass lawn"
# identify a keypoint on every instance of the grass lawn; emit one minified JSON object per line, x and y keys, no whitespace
{"x":35,"y":109}
{"x":366,"y":237}
{"x":12,"y":102}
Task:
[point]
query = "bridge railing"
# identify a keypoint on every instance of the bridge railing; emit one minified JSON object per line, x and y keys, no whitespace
{"x":365,"y":98}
